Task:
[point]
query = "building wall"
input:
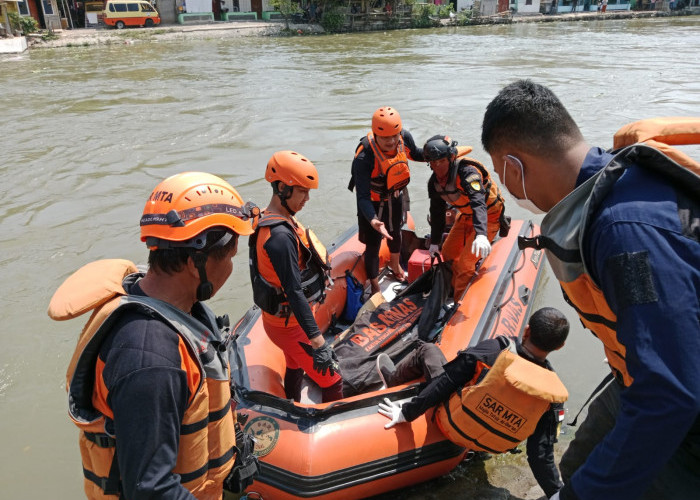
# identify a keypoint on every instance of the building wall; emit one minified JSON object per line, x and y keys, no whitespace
{"x":488,"y":7}
{"x":48,"y":9}
{"x":237,"y":6}
{"x":566,"y":5}
{"x":168,"y":10}
{"x":464,"y":5}
{"x":526,"y":7}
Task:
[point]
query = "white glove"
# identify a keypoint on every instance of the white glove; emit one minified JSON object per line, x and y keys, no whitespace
{"x":392,"y":411}
{"x":481,"y":246}
{"x":555,"y":496}
{"x":433,"y":249}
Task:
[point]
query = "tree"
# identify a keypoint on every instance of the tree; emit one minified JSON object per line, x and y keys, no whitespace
{"x":287,"y":8}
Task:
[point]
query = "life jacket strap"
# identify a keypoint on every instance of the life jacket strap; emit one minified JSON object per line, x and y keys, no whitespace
{"x":100,"y":439}
{"x":110,"y":485}
{"x":539,"y":242}
{"x":602,"y":385}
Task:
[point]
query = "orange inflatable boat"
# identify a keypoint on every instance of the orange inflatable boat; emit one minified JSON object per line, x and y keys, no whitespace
{"x":341,"y":450}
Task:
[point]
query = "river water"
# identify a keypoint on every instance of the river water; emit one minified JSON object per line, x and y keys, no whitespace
{"x":86,"y":133}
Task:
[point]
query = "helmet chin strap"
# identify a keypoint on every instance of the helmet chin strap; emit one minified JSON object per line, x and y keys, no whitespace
{"x":205,"y":289}
{"x":284,"y":195}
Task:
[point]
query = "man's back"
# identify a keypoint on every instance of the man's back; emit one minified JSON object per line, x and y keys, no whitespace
{"x":642,"y":249}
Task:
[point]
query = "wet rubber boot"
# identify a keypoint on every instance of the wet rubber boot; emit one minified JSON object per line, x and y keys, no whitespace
{"x":292,"y":383}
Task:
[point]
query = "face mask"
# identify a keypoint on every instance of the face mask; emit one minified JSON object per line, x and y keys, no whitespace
{"x":525,"y":203}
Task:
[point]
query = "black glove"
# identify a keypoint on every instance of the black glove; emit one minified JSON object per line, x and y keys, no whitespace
{"x":325,"y":359}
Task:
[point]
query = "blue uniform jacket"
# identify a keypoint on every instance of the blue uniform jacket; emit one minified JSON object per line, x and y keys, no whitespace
{"x":658,"y":321}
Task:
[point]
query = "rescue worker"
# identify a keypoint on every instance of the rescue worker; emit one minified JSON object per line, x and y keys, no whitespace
{"x":289,"y":271}
{"x":465,"y":184}
{"x":149,"y":382}
{"x":380,"y":175}
{"x":621,"y":234}
{"x":474,"y":385}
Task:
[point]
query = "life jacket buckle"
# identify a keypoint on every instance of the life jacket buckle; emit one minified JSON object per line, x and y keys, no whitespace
{"x":101,"y":440}
{"x":534,"y":242}
{"x":104,"y":483}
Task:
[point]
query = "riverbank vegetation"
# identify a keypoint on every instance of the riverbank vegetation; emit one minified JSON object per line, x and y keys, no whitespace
{"x":334,"y":16}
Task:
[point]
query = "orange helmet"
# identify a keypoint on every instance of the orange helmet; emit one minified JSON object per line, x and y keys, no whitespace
{"x":186,"y":205}
{"x":292,"y":169}
{"x":386,"y":122}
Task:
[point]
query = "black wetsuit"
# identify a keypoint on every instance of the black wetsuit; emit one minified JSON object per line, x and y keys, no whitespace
{"x":362,"y":167}
{"x":282,"y":248}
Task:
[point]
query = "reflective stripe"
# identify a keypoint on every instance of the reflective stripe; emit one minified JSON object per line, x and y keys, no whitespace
{"x":456,"y":195}
{"x":178,"y":219}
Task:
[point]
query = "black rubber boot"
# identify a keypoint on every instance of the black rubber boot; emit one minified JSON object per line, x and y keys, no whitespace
{"x":292,"y":383}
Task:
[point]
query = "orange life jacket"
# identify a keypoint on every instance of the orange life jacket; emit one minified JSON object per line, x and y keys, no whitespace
{"x":207,"y":436}
{"x":564,"y":227}
{"x":314,"y":263}
{"x":390,"y":174}
{"x":661,"y":134}
{"x":496,"y":412}
{"x":455,"y":194}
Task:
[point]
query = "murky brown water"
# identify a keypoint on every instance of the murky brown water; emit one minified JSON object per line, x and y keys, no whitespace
{"x":87,"y":132}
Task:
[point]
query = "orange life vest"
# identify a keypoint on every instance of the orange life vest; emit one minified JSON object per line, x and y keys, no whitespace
{"x":390,"y":174}
{"x":564,"y":227}
{"x":661,"y":134}
{"x":207,"y":436}
{"x":455,"y":194}
{"x":496,"y":412}
{"x":314,"y":263}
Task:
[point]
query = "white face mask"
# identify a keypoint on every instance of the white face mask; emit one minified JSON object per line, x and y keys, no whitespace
{"x":525,"y":203}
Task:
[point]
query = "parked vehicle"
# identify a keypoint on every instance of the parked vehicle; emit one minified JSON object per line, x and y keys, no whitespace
{"x":122,"y":13}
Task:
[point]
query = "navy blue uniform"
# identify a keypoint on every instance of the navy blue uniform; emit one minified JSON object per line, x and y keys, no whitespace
{"x":657,"y":303}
